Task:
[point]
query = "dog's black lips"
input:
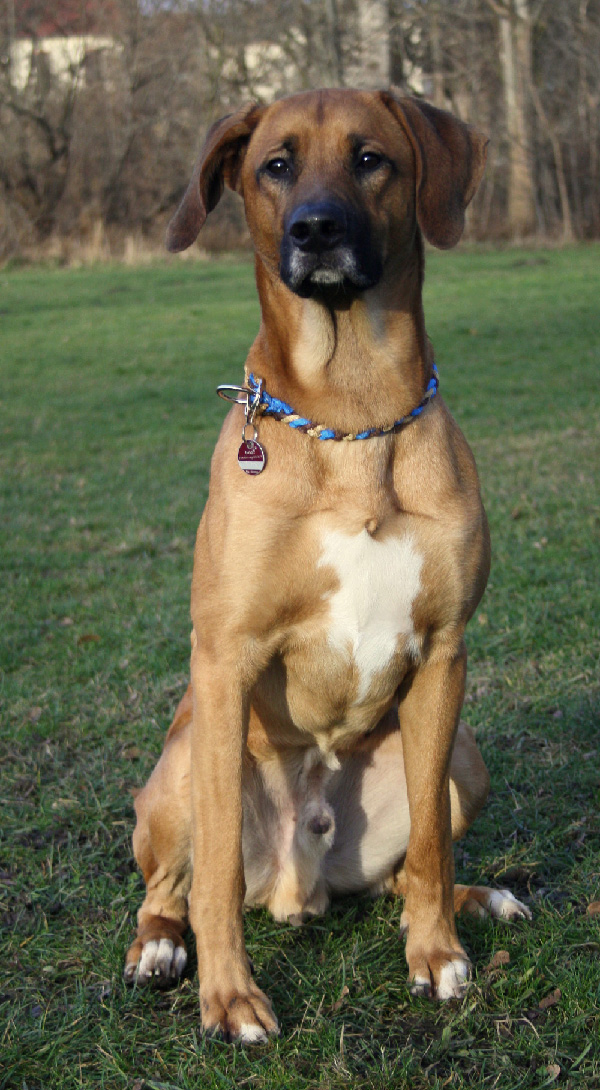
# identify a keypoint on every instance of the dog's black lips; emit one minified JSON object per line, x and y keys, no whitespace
{"x":354,"y":280}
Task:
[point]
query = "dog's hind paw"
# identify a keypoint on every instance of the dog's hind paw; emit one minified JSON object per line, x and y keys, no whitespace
{"x":503,"y":905}
{"x":159,"y":961}
{"x":500,"y":904}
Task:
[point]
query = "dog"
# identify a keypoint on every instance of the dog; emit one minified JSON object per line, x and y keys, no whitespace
{"x":341,"y":553}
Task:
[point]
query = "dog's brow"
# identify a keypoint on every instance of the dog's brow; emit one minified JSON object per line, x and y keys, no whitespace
{"x":288,"y":144}
{"x":359,"y":141}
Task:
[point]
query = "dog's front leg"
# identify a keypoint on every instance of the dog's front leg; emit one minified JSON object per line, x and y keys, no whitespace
{"x":231,"y":1003}
{"x":429,"y":714}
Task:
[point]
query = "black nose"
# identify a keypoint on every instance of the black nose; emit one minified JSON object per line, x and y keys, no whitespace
{"x":317,"y":227}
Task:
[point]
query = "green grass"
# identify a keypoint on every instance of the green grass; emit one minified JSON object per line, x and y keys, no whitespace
{"x":108,"y":419}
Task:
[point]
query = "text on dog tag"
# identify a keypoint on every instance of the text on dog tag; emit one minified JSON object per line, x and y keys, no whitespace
{"x":251,"y":457}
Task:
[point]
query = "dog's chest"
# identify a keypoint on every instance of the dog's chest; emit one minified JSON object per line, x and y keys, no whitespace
{"x":370,"y":608}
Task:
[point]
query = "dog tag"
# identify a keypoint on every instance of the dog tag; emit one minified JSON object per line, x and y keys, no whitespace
{"x":251,"y":457}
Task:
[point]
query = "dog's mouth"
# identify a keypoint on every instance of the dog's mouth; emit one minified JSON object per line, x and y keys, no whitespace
{"x":336,"y":275}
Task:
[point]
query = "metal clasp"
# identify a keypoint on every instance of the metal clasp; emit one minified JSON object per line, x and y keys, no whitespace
{"x":243,"y":395}
{"x":231,"y":393}
{"x":252,"y":405}
{"x":254,"y":436}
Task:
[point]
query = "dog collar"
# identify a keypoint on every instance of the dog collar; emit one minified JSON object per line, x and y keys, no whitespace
{"x":272,"y":406}
{"x":257,"y":402}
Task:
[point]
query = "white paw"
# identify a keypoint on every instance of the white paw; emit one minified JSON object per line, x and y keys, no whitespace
{"x":452,"y":983}
{"x":252,"y":1035}
{"x":160,"y":959}
{"x":454,"y":980}
{"x":504,"y":906}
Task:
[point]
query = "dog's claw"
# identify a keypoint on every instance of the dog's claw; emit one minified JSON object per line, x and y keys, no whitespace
{"x":421,"y":986}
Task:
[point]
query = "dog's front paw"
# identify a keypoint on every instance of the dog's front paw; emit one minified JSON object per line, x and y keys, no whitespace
{"x":158,"y":961}
{"x":244,"y":1016}
{"x":440,"y":976}
{"x":438,"y":967}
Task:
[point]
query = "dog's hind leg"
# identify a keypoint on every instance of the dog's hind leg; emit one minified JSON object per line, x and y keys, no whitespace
{"x":469,"y":786}
{"x":162,"y":846}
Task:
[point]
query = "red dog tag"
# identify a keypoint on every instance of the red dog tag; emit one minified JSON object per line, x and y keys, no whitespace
{"x":251,"y":457}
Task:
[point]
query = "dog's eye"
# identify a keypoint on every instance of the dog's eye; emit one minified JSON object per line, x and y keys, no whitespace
{"x":278,"y":168}
{"x":368,"y":161}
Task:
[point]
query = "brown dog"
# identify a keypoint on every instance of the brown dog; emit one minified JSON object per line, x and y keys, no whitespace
{"x":318,"y":749}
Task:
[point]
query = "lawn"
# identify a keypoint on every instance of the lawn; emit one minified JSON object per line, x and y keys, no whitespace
{"x":108,"y":418}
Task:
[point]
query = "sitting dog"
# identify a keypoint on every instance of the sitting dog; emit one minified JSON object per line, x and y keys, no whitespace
{"x":343,"y":548}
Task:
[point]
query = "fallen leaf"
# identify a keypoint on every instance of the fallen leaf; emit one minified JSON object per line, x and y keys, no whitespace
{"x":66,"y":621}
{"x":338,"y":1003}
{"x":550,"y":1000}
{"x":131,"y":753}
{"x":34,"y":714}
{"x":88,"y":637}
{"x":553,"y":1070}
{"x":593,"y":909}
{"x":501,"y":957}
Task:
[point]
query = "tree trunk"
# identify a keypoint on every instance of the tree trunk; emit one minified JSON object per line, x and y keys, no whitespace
{"x":559,"y":166}
{"x":515,"y":59}
{"x":437,"y":62}
{"x":374,"y":31}
{"x":334,"y":26}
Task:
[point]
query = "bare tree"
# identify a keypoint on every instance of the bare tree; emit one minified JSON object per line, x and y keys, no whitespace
{"x":514,"y":24}
{"x":104,"y":138}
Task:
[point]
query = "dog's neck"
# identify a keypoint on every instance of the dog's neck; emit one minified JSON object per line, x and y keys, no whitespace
{"x":359,"y":365}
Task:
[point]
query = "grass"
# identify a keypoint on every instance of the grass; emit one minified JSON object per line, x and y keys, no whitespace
{"x":108,"y":422}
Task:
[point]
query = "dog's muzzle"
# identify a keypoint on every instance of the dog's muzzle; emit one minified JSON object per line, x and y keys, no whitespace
{"x":327,"y":247}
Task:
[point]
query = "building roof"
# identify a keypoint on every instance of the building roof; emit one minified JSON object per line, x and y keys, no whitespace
{"x":63,"y":18}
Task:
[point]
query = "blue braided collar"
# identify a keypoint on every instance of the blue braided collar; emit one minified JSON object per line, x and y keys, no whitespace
{"x":272,"y":406}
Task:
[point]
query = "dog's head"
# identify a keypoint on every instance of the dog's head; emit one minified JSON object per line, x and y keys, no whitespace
{"x":336,"y":183}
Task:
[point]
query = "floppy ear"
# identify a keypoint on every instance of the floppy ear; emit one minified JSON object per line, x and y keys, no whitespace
{"x":450,"y":159}
{"x":219,"y":162}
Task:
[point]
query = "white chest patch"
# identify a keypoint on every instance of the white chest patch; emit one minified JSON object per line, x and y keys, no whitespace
{"x":379,"y":581}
